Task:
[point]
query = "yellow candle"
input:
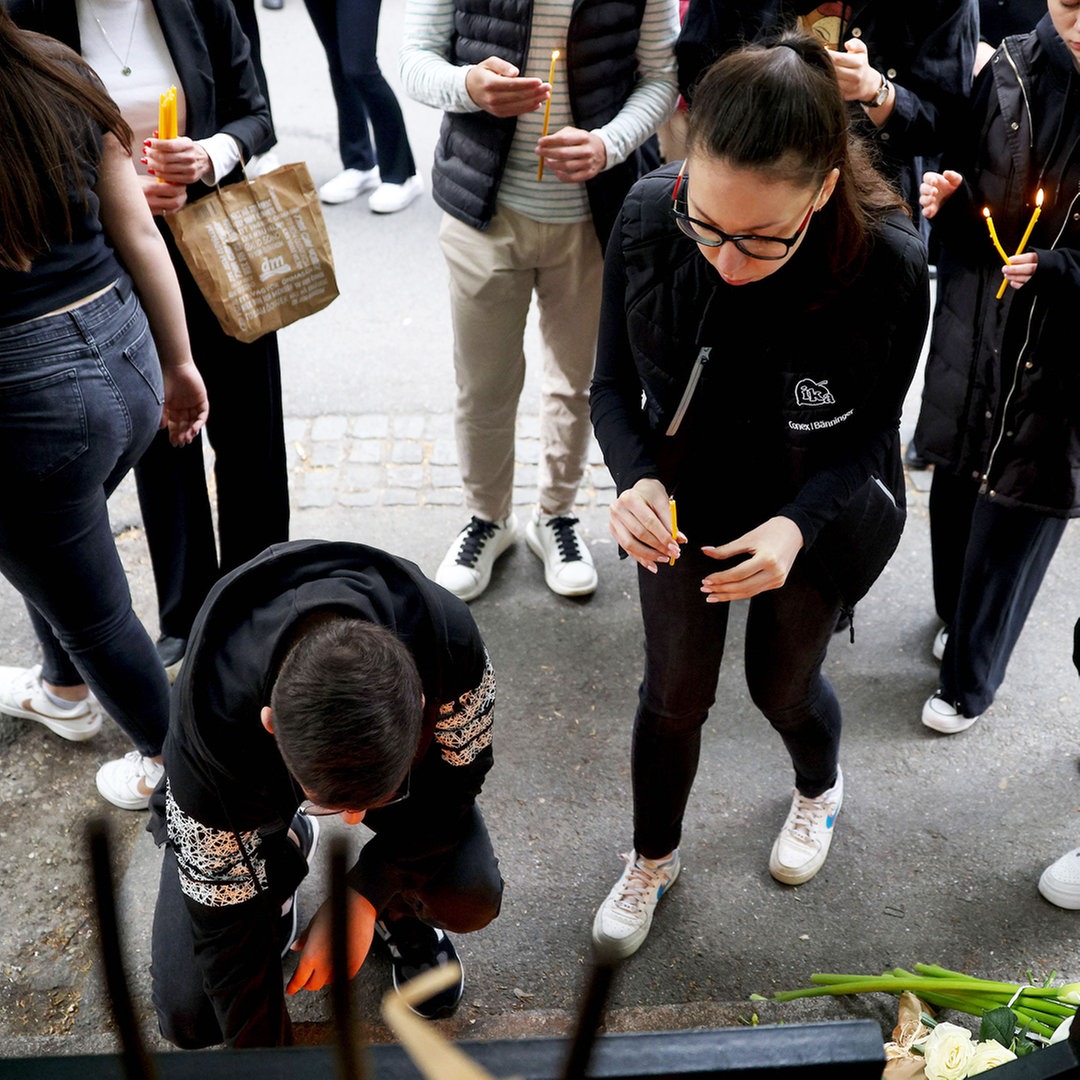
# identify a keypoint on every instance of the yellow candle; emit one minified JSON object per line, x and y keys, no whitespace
{"x":547,"y":111}
{"x":994,"y":235}
{"x":167,"y":124}
{"x":1024,"y":239}
{"x":674,"y":529}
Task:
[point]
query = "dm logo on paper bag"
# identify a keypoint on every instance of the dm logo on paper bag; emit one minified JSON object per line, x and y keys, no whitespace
{"x":810,"y":393}
{"x":274,"y":267}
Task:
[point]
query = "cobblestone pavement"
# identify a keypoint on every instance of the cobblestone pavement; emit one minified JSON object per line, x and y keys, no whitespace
{"x":410,"y":459}
{"x":406,"y":459}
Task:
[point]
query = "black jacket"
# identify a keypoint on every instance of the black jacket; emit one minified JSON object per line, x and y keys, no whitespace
{"x":229,"y":799}
{"x":212,"y":58}
{"x":926,"y":48}
{"x":1000,"y":18}
{"x":827,"y":369}
{"x":1002,"y":385}
{"x":601,"y":68}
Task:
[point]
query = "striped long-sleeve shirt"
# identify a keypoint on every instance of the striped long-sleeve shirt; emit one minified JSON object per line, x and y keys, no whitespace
{"x":430,"y":77}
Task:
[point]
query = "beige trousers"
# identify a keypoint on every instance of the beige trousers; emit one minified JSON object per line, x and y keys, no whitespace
{"x":492,"y":278}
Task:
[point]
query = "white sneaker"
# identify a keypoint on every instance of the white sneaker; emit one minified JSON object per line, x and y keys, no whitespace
{"x":941,"y":638}
{"x":348,"y":184}
{"x":940,"y":715}
{"x":800,"y":849}
{"x":1060,"y":881}
{"x":390,"y":198}
{"x":557,"y":542}
{"x":21,"y":694}
{"x":129,"y":781}
{"x":466,"y":568}
{"x":623,"y":920}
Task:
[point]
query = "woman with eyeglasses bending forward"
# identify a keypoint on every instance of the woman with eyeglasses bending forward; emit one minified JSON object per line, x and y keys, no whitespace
{"x":764,"y":306}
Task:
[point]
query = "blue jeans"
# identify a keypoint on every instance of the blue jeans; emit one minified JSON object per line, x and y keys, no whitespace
{"x":80,"y":399}
{"x":788,"y":631}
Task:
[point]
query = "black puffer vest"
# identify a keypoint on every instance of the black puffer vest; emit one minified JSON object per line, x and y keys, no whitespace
{"x":602,"y":70}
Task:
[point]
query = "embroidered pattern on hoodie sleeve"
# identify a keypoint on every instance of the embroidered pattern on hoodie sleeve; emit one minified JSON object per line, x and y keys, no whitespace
{"x":213,"y":863}
{"x":463,"y":729}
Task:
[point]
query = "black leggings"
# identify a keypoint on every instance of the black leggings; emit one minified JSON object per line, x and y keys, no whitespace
{"x":787,"y":635}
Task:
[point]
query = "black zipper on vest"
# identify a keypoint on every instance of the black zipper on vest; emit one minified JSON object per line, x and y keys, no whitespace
{"x":697,"y":370}
{"x":691,"y":386}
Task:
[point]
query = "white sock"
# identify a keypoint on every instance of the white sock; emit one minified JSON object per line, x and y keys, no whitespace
{"x":61,"y":703}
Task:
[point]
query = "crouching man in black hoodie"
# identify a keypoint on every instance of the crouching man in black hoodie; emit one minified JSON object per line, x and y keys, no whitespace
{"x":321,"y":678}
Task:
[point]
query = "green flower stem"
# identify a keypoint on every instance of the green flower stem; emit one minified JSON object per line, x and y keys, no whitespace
{"x":988,"y":994}
{"x":935,"y":971}
{"x":999,"y":991}
{"x":945,"y":990}
{"x":1044,"y":1009}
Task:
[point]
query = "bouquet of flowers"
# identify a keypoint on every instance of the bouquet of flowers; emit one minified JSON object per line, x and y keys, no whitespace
{"x":1015,"y":1019}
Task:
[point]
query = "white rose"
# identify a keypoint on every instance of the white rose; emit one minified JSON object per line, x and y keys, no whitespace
{"x":989,"y":1055}
{"x":947,"y":1052}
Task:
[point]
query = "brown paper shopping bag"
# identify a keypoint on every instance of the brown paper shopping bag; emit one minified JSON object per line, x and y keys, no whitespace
{"x":259,"y":251}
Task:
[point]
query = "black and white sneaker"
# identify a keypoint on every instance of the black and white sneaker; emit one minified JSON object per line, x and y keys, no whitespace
{"x":466,"y":568}
{"x":306,"y":830}
{"x":414,"y":947}
{"x":557,"y":542}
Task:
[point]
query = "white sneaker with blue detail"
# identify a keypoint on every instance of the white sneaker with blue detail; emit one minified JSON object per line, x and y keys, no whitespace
{"x":800,"y":849}
{"x":623,"y":920}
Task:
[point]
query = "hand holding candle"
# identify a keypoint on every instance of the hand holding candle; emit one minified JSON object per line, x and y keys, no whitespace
{"x":547,"y":110}
{"x":1024,"y":239}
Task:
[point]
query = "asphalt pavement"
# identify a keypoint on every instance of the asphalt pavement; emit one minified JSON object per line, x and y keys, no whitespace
{"x":941,"y":839}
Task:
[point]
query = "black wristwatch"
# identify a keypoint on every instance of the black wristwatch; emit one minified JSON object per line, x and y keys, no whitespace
{"x":880,"y":97}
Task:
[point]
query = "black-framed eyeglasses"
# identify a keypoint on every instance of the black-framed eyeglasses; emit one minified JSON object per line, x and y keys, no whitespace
{"x":311,"y":809}
{"x":752,"y":245}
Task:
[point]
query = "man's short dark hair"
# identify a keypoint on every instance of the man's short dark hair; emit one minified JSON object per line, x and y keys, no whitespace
{"x":347,"y":708}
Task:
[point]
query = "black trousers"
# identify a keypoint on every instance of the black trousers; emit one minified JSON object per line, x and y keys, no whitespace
{"x":464,"y":896}
{"x":788,"y":632}
{"x":989,"y":561}
{"x":349,"y":32}
{"x":246,"y":431}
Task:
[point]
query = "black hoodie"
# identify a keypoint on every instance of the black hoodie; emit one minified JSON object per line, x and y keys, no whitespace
{"x":228,"y":797}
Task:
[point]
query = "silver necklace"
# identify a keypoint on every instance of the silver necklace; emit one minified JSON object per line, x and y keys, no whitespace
{"x":125,"y":67}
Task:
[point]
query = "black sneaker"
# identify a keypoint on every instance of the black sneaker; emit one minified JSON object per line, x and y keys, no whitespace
{"x":307,"y":834}
{"x":414,"y":948}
